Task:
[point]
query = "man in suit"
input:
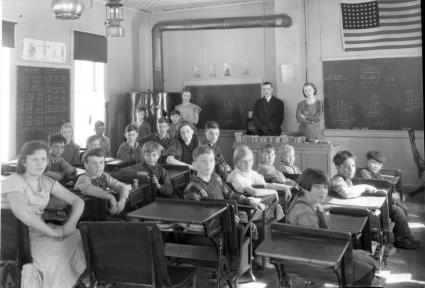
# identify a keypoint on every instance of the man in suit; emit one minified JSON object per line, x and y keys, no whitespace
{"x":268,"y":112}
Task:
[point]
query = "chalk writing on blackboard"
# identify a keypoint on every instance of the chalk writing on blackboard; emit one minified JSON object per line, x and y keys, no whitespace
{"x":43,"y":102}
{"x":370,"y":76}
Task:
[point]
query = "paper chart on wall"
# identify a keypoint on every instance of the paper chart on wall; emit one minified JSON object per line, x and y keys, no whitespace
{"x":45,"y":51}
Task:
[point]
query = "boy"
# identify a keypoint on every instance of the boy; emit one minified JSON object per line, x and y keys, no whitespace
{"x":175,"y":123}
{"x":207,"y":185}
{"x":95,"y":182}
{"x":375,"y":161}
{"x":93,"y":142}
{"x":58,"y":168}
{"x":105,"y":142}
{"x":159,"y":178}
{"x":130,"y":150}
{"x":143,"y":127}
{"x":212,"y":132}
{"x":266,"y":167}
{"x":161,"y":137}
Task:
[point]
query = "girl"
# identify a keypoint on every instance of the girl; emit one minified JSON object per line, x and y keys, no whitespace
{"x":188,"y":111}
{"x":143,"y":127}
{"x":309,"y":113}
{"x":267,"y":169}
{"x":71,"y":153}
{"x":56,"y":250}
{"x":307,"y":210}
{"x":287,"y":159}
{"x":181,"y":149}
{"x":341,"y":184}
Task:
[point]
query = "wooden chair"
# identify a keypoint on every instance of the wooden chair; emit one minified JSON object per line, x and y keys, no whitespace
{"x":15,"y":248}
{"x":130,"y":253}
{"x":419,"y":161}
{"x":180,"y":177}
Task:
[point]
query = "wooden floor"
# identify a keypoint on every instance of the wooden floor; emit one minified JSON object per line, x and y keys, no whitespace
{"x":405,"y":268}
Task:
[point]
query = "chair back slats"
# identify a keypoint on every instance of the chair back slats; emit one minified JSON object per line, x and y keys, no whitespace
{"x":124,"y":253}
{"x":419,"y":161}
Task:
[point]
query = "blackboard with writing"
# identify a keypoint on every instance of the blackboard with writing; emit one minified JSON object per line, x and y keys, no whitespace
{"x":43,"y":102}
{"x":379,"y":94}
{"x":227,"y":104}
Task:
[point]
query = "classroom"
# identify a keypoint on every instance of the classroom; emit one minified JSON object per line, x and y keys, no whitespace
{"x":157,"y":158}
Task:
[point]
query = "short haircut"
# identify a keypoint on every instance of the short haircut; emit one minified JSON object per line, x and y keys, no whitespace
{"x":174,"y":112}
{"x":267,"y":83}
{"x":152,"y":146}
{"x":376,"y":155}
{"x":130,"y":127}
{"x":341,"y":156}
{"x":309,"y":84}
{"x":66,"y":125}
{"x":56,"y":138}
{"x":286,"y":149}
{"x":312,"y":176}
{"x":96,"y":152}
{"x":162,"y":120}
{"x":240,"y":152}
{"x":91,"y":139}
{"x":140,"y":109}
{"x":212,"y":125}
{"x":99,"y":123}
{"x":266,"y":149}
{"x":203,"y":149}
{"x":28,"y":149}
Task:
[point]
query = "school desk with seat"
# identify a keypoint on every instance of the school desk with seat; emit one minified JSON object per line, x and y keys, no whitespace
{"x":180,"y":177}
{"x":203,"y":218}
{"x":313,"y":254}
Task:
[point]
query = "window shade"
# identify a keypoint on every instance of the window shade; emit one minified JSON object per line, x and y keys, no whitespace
{"x":90,"y":47}
{"x":8,"y":33}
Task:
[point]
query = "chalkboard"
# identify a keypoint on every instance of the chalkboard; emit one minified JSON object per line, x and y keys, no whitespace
{"x":227,"y":104}
{"x":379,"y":94}
{"x":43,"y":102}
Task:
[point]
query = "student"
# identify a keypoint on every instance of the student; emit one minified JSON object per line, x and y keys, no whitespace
{"x":175,"y":119}
{"x":181,"y":149}
{"x":58,"y":168}
{"x":375,"y":161}
{"x":287,"y":159}
{"x":188,"y":111}
{"x":130,"y":150}
{"x":307,"y":210}
{"x":93,"y":142}
{"x":71,"y":153}
{"x":95,"y":182}
{"x":56,"y":250}
{"x":266,"y":167}
{"x":212,"y":132}
{"x":161,"y":137}
{"x":143,"y":127}
{"x":207,"y":185}
{"x":151,"y":152}
{"x":342,"y":185}
{"x":309,"y":113}
{"x":243,"y":178}
{"x":105,"y":142}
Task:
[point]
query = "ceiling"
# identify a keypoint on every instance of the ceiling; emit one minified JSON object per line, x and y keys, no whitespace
{"x":155,"y":6}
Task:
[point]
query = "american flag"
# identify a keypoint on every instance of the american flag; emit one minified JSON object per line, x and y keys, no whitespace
{"x":382,"y":24}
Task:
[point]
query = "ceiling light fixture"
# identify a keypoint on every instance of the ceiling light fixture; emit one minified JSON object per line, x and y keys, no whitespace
{"x":114,"y":17}
{"x":68,"y":9}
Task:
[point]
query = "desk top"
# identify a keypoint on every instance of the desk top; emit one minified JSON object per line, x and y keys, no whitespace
{"x":347,"y":223}
{"x":175,"y":172}
{"x":303,"y":249}
{"x":368,"y":202}
{"x":178,"y":211}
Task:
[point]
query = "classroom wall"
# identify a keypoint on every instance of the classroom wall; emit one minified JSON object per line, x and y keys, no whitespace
{"x":127,"y":68}
{"x":324,"y":42}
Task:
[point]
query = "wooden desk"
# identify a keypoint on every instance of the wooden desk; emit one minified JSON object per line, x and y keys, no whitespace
{"x":310,"y":253}
{"x":188,"y":217}
{"x":357,"y":225}
{"x":180,"y":177}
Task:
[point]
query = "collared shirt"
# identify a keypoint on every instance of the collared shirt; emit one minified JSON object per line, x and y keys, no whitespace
{"x":165,"y":143}
{"x":130,"y":153}
{"x":215,"y":189}
{"x":58,"y":164}
{"x":218,"y":155}
{"x":367,"y":174}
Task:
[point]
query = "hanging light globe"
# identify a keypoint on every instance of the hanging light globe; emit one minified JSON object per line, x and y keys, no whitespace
{"x":67,"y":9}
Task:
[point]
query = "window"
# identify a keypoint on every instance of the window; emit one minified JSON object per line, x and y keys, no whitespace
{"x":89,"y":98}
{"x":5,"y":104}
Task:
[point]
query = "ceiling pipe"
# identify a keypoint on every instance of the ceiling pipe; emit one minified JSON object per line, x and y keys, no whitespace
{"x":280,"y":20}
